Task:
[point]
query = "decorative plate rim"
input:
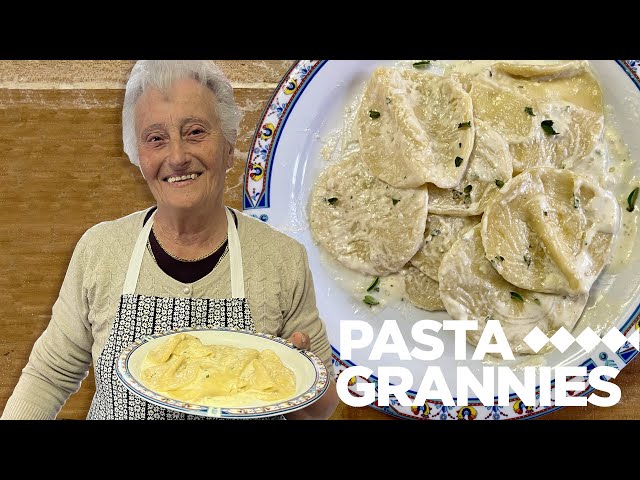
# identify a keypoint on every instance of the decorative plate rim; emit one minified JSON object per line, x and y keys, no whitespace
{"x":312,"y":394}
{"x":257,"y":179}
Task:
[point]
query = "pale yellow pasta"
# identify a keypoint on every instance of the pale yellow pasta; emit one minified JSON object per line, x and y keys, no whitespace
{"x":184,"y":369}
{"x":409,"y":128}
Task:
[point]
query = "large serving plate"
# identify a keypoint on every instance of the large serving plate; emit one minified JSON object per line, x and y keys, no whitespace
{"x":286,"y":157}
{"x":310,"y":372}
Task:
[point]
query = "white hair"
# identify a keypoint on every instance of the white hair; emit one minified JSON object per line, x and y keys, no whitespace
{"x":161,"y":74}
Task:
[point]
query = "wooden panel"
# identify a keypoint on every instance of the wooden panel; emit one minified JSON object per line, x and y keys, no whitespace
{"x":114,"y":73}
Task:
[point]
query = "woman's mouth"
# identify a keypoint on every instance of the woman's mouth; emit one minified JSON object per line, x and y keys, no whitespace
{"x":182,"y":178}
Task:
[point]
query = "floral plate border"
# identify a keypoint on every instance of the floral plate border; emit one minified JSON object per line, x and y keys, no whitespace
{"x":313,"y":393}
{"x":257,"y":181}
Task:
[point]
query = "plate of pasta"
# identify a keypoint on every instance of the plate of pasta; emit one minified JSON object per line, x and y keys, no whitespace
{"x":461,"y":190}
{"x":222,"y":373}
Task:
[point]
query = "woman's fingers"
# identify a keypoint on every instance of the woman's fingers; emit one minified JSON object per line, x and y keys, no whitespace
{"x":300,"y":340}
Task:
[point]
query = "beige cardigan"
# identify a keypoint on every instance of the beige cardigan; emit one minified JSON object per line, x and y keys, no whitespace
{"x":278,"y":285}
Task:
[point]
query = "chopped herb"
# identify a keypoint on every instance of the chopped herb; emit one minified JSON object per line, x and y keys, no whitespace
{"x":576,"y":202}
{"x":467,"y":199}
{"x":395,"y":200}
{"x":499,"y":183}
{"x":631,"y":199}
{"x":435,"y":232}
{"x":458,"y":161}
{"x":527,"y":259}
{"x":332,"y":200}
{"x":421,"y":64}
{"x":546,"y":214}
{"x":490,"y":74}
{"x":207,"y":376}
{"x":464,"y":125}
{"x":387,"y":100}
{"x":529,"y":110}
{"x":495,"y":261}
{"x":547,"y":126}
{"x":468,"y":189}
{"x":369,"y":300}
{"x":516,"y":296}
{"x":536,"y":301}
{"x":456,"y":194}
{"x":460,"y":145}
{"x":374,"y":114}
{"x":374,"y":284}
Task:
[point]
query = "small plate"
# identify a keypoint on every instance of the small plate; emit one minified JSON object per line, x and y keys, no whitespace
{"x":310,"y":372}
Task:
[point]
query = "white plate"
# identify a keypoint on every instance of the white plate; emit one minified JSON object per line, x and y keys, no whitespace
{"x":285,"y":159}
{"x":310,"y":372}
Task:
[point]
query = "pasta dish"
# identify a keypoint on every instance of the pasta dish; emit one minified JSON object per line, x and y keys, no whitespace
{"x":184,"y":369}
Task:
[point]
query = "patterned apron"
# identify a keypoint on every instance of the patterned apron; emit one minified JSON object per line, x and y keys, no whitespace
{"x":141,"y":315}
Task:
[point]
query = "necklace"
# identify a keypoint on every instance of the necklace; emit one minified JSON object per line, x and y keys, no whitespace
{"x":190,"y":260}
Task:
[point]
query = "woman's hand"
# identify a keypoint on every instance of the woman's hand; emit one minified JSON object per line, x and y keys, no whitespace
{"x":326,"y":405}
{"x":300,"y":340}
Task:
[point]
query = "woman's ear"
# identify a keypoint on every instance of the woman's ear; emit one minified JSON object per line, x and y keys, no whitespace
{"x":230,"y":158}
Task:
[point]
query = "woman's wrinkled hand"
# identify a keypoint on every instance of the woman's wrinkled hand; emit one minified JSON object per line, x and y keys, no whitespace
{"x":300,"y":340}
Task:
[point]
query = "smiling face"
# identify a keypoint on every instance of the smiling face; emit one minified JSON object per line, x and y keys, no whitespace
{"x":183,"y":153}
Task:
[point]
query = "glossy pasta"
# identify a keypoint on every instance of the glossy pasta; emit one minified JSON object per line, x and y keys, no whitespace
{"x":184,"y":369}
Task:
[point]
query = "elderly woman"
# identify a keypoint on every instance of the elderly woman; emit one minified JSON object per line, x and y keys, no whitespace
{"x":190,"y":261}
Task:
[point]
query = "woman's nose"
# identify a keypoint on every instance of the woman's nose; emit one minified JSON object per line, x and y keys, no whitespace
{"x":178,"y":154}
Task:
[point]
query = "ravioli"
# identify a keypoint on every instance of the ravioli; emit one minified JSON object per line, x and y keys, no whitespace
{"x":422,"y":291}
{"x":503,"y":109}
{"x":440,"y":234}
{"x":544,"y":72}
{"x":568,"y":141}
{"x":490,"y":166}
{"x":571,"y":82}
{"x":211,"y":374}
{"x":364,"y":223}
{"x":414,"y":127}
{"x":471,"y":289}
{"x":550,"y":230}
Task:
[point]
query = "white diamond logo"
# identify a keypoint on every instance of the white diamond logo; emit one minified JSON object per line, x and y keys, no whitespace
{"x":536,"y":339}
{"x":614,"y":339}
{"x":562,"y":339}
{"x":588,"y":339}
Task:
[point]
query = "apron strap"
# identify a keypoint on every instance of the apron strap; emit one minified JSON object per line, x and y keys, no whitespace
{"x":135,"y":261}
{"x":235,"y":258}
